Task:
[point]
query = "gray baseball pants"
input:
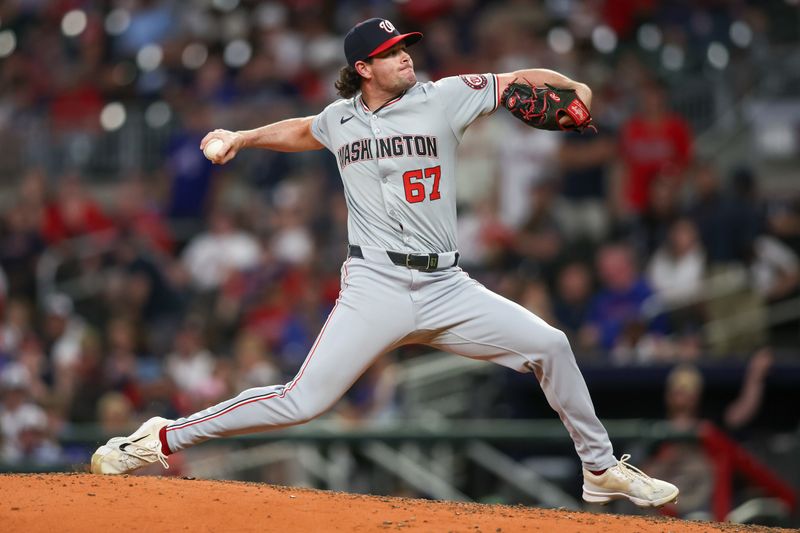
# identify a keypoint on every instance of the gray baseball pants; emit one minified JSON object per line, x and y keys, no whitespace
{"x":382,"y":306}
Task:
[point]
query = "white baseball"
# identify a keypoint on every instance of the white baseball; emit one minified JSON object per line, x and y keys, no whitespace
{"x":212,"y":149}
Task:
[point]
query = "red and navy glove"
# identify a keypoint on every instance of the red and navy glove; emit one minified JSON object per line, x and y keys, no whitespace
{"x":543,"y":107}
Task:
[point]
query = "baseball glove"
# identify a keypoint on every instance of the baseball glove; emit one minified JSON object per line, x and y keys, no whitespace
{"x":543,"y":107}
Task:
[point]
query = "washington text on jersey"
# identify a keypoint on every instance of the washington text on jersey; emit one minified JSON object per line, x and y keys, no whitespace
{"x":385,"y":147}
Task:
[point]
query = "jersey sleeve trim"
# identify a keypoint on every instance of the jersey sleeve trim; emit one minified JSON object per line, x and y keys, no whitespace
{"x":496,"y":92}
{"x":315,"y":130}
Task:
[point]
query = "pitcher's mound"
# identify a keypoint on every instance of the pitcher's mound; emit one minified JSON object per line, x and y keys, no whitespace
{"x":83,"y":502}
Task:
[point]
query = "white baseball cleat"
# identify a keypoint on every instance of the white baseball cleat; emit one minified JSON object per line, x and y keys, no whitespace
{"x":627,"y":481}
{"x":122,"y":455}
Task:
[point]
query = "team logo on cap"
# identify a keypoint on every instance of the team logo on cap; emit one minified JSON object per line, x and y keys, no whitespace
{"x":475,"y":81}
{"x":386,"y":26}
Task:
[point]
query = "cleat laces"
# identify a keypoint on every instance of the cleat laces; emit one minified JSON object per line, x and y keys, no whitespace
{"x":633,"y":473}
{"x":142,"y":453}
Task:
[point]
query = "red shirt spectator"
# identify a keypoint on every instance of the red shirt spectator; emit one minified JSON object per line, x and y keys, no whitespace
{"x":73,"y":214}
{"x":77,"y":106}
{"x":624,"y":15}
{"x":654,"y":142}
{"x":134,"y":212}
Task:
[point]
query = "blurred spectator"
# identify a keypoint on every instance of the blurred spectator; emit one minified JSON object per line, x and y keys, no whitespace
{"x":677,"y":273}
{"x":744,"y":409}
{"x":268,"y":313}
{"x":133,"y":215}
{"x":36,"y":445}
{"x":23,"y":423}
{"x":746,"y":196}
{"x":527,"y":157}
{"x":686,"y":461}
{"x":539,"y":240}
{"x":20,"y":245}
{"x":331,"y":231}
{"x":17,"y":326}
{"x":211,"y":257}
{"x":307,"y":312}
{"x":33,"y":192}
{"x":191,"y":366}
{"x":677,"y":268}
{"x":138,"y":288}
{"x":254,"y":368}
{"x":77,"y":102}
{"x":616,"y":315}
{"x":64,"y":330}
{"x":445,"y":58}
{"x":214,"y":84}
{"x":683,"y":397}
{"x":775,"y":275}
{"x":483,"y":237}
{"x":662,"y":210}
{"x":3,"y":288}
{"x":783,"y":221}
{"x":88,"y":381}
{"x":31,"y":355}
{"x":572,"y":299}
{"x":536,"y":298}
{"x":478,"y":157}
{"x":775,"y":268}
{"x":586,"y":163}
{"x":653,"y":142}
{"x":151,"y":21}
{"x":114,"y":413}
{"x":727,"y":223}
{"x":189,"y":174}
{"x":73,"y":213}
{"x":291,"y":241}
{"x":123,"y":347}
{"x":373,"y":397}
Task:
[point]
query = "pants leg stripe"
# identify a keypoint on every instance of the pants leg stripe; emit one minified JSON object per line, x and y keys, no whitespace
{"x":269,"y":395}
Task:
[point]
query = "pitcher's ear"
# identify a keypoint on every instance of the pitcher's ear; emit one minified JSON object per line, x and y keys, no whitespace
{"x":363,"y":69}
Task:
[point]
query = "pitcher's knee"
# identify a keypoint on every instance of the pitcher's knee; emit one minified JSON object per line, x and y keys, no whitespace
{"x":556,"y":344}
{"x":310,"y":409}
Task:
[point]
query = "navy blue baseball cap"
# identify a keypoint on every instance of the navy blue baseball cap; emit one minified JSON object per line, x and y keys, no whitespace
{"x":373,"y":36}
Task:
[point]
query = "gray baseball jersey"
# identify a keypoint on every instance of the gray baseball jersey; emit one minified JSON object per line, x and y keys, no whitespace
{"x":398,"y":163}
{"x":398,"y":167}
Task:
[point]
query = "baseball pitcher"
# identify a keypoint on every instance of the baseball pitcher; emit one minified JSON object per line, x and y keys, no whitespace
{"x":395,"y":142}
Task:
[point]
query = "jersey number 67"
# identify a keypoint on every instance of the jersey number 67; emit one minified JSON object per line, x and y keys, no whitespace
{"x":415,"y":187}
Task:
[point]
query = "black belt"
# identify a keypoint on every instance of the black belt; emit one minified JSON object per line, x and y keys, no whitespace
{"x":427,"y":262}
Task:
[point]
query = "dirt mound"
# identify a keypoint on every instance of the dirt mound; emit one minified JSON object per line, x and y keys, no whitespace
{"x":83,"y":502}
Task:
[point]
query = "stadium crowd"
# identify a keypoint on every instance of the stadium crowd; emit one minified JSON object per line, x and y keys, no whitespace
{"x":173,"y":285}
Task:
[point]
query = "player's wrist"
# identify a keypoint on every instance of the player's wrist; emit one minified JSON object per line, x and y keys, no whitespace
{"x":240,"y":139}
{"x":585,"y":94}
